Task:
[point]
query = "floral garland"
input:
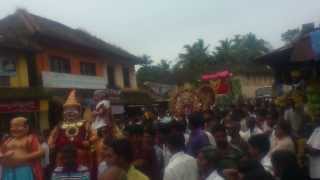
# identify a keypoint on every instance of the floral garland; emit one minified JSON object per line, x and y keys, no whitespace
{"x":186,"y":100}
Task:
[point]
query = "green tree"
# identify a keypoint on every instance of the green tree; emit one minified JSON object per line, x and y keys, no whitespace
{"x":224,"y":54}
{"x":238,"y":54}
{"x":149,"y":71}
{"x":290,"y":35}
{"x":192,"y":63}
{"x":145,"y":60}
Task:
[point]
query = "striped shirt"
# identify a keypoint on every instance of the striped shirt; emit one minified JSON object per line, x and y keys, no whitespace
{"x":82,"y":173}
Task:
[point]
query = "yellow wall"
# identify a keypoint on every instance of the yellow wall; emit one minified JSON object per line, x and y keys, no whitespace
{"x":249,"y":84}
{"x":119,"y":75}
{"x":21,"y":79}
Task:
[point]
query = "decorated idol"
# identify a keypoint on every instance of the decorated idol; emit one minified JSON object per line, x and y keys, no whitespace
{"x":71,"y":130}
{"x":21,"y":153}
{"x":185,"y":101}
{"x":102,"y":117}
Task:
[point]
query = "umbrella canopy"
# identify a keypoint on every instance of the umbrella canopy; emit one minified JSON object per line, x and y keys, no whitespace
{"x":217,"y":75}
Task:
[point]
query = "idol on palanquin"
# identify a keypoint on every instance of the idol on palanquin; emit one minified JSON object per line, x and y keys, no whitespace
{"x":71,"y":130}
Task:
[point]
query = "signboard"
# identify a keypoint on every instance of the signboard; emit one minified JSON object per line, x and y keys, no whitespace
{"x":19,"y":106}
{"x":7,"y":65}
{"x":113,"y":94}
{"x":62,"y":80}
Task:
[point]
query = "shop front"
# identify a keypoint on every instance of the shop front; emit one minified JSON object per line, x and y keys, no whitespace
{"x":135,"y":101}
{"x":32,"y":103}
{"x":297,"y":66}
{"x":36,"y":111}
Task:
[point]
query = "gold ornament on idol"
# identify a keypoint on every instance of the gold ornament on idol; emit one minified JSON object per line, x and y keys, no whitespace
{"x":72,"y":128}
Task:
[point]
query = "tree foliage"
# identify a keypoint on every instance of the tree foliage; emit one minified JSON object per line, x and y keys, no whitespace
{"x":192,"y":63}
{"x":160,"y":72}
{"x":236,"y":54}
{"x":145,"y":60}
{"x":290,"y":35}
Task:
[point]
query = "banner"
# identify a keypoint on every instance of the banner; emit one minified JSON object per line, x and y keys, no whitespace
{"x":63,"y":80}
{"x":19,"y":106}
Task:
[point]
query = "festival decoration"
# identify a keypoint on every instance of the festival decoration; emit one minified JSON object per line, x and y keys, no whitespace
{"x":184,"y":101}
{"x":207,"y":97}
{"x":21,"y":152}
{"x":295,"y":95}
{"x":298,"y":97}
{"x":187,"y":99}
{"x":220,"y":86}
{"x":218,"y":81}
{"x":72,"y":100}
{"x":281,"y":101}
{"x":71,"y":130}
{"x":313,"y":98}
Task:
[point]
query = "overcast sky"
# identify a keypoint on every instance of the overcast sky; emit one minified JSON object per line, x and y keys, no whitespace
{"x":160,"y":28}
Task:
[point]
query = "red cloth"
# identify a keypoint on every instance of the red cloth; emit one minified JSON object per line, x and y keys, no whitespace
{"x":218,"y":75}
{"x":32,"y":145}
{"x":36,"y":164}
{"x":83,"y":152}
{"x":223,"y":88}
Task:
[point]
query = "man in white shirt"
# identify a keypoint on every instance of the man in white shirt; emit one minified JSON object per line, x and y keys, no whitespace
{"x":252,"y":129}
{"x":208,"y":158}
{"x":313,"y":146}
{"x":181,"y":165}
{"x":294,"y":115}
{"x":282,"y":139}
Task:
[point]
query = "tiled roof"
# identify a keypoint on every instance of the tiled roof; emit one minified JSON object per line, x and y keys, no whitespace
{"x":26,"y":25}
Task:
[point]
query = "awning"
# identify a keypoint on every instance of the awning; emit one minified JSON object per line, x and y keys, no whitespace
{"x":306,"y":48}
{"x":19,"y":106}
{"x":277,"y":57}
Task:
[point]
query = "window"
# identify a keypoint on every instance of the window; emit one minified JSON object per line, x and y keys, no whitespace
{"x":111,"y":78}
{"x":7,"y":69}
{"x":7,"y":65}
{"x":126,"y":77}
{"x":59,"y":64}
{"x":88,"y":69}
{"x":4,"y":81}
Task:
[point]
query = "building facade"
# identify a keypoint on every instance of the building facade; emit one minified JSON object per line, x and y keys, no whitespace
{"x":250,"y":83}
{"x":17,"y":97}
{"x":48,"y":59}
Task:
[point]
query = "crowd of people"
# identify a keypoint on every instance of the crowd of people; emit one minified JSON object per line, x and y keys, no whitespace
{"x":246,"y":141}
